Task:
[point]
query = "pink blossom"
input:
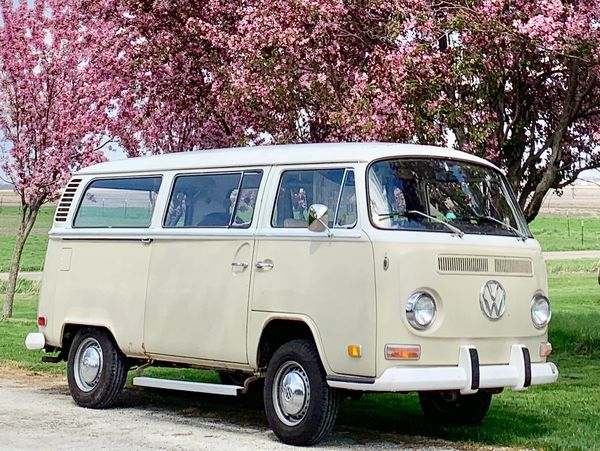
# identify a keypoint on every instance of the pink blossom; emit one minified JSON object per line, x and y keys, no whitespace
{"x":51,"y":110}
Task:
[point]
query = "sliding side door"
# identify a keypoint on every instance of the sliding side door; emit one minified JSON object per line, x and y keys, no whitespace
{"x":197,"y":302}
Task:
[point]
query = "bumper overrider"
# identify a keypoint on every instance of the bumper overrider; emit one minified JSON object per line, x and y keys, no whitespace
{"x":468,"y":376}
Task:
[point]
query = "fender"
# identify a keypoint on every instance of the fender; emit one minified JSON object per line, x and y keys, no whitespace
{"x":259,"y":321}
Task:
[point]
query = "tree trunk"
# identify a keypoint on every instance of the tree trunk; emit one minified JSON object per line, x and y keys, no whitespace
{"x":535,"y":203}
{"x":28,"y":217}
{"x":549,"y":178}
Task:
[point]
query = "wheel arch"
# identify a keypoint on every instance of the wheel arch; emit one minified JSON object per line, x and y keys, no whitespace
{"x":277,"y":330}
{"x":70,"y":329}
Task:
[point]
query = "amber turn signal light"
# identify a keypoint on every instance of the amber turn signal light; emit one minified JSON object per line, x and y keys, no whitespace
{"x":545,"y":349}
{"x":355,"y":351}
{"x":402,"y":352}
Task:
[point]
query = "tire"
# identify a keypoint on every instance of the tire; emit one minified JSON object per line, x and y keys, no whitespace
{"x":96,"y":369}
{"x":308,"y":412}
{"x":454,"y":408}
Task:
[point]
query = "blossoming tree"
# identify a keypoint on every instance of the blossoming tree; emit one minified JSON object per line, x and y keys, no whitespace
{"x":521,"y":88}
{"x":514,"y":81}
{"x":51,"y":116}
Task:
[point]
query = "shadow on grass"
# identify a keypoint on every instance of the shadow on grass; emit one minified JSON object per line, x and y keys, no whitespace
{"x":401,"y":414}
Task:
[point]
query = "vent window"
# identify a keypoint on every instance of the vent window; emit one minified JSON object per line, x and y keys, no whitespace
{"x":62,"y":211}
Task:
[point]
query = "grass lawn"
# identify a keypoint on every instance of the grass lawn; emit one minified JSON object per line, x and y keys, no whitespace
{"x":560,"y":416}
{"x":559,"y":233}
{"x":35,"y":248}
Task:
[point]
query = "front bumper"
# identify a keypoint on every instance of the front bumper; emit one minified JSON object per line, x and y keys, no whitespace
{"x":468,"y":376}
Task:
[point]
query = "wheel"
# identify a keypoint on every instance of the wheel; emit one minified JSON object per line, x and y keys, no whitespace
{"x":452,"y":407}
{"x":300,"y":407}
{"x":96,"y":369}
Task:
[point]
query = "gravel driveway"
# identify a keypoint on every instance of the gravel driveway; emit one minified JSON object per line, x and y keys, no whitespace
{"x":38,"y":413}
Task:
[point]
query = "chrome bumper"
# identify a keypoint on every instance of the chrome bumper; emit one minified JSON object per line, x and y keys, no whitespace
{"x":35,"y":341}
{"x":468,"y":376}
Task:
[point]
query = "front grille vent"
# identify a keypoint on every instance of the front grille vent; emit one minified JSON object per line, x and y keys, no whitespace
{"x":462,"y":264}
{"x":476,"y":264}
{"x":513,"y":266}
{"x":62,"y":211}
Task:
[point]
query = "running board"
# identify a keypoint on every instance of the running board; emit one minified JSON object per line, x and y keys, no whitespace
{"x":198,"y":387}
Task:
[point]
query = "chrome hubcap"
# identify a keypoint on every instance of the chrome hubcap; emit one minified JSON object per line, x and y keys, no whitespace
{"x":291,"y":393}
{"x":88,"y":364}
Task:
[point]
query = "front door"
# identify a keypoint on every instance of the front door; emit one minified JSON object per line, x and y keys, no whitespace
{"x":327,"y":280}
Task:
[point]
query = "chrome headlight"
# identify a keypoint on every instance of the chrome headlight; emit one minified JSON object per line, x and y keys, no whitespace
{"x":540,"y":311}
{"x":420,"y":310}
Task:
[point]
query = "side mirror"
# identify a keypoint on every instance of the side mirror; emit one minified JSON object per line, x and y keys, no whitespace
{"x":318,"y":217}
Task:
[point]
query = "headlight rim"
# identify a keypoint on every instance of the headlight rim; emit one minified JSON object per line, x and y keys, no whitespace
{"x":540,"y":295}
{"x":410,"y":310}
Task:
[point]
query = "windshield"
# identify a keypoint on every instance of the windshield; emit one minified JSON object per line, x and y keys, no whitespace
{"x":423,"y":194}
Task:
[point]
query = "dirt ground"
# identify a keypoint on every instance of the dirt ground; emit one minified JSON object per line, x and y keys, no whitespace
{"x":37,"y":412}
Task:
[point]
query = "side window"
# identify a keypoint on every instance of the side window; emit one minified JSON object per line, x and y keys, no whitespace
{"x":211,"y":200}
{"x":346,"y":215}
{"x":299,"y":189}
{"x":119,"y":202}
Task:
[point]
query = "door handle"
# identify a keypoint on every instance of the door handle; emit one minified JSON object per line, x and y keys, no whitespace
{"x":243,"y":265}
{"x":146,"y":241}
{"x":264,"y":264}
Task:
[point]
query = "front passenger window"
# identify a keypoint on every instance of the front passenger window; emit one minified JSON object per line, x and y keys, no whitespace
{"x":298,"y":190}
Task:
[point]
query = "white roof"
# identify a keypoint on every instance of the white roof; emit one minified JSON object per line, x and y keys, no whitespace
{"x":275,"y":155}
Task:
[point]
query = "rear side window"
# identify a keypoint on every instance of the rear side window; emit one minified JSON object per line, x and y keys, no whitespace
{"x":118,"y":202}
{"x":300,"y":189}
{"x":213,"y":200}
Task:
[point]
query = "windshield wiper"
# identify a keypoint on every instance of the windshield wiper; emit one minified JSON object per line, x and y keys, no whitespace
{"x":508,"y":226}
{"x":454,"y":229}
{"x":390,"y":215}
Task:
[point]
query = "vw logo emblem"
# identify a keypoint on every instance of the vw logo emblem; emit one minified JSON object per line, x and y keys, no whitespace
{"x":288,"y":393}
{"x":492,"y":300}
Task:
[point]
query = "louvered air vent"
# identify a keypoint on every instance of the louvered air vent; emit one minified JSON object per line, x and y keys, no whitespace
{"x":462,"y":264}
{"x":513,"y":266}
{"x":66,"y":200}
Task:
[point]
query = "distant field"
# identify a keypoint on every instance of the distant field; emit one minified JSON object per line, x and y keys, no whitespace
{"x":8,"y":198}
{"x":579,"y":200}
